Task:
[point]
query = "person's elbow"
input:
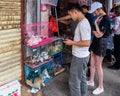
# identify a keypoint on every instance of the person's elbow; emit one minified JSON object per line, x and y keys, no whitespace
{"x":86,"y":43}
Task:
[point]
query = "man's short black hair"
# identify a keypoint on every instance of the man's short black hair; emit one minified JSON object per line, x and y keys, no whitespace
{"x":85,"y":7}
{"x":75,"y":6}
{"x":117,"y":10}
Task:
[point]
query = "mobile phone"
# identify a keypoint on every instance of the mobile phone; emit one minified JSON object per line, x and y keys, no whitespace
{"x":63,"y":39}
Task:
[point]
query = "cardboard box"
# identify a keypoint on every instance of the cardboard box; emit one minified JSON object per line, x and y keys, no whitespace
{"x":11,"y":89}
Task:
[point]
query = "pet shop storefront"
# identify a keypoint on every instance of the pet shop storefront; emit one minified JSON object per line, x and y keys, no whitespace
{"x":29,"y":51}
{"x":42,"y":46}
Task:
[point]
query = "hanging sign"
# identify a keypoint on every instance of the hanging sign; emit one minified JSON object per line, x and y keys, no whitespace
{"x":117,"y":2}
{"x":43,"y":7}
{"x":49,"y":2}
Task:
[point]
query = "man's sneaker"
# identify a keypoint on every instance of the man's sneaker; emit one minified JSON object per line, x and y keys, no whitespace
{"x":90,"y":84}
{"x":98,"y":91}
{"x":34,"y":90}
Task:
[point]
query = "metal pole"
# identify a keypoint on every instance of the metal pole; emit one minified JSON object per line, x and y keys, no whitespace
{"x":57,"y":20}
{"x":22,"y":52}
{"x":38,"y":10}
{"x":110,"y":5}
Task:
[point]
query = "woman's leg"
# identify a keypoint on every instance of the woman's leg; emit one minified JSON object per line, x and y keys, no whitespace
{"x":92,"y":67}
{"x":98,"y":66}
{"x":109,"y":55}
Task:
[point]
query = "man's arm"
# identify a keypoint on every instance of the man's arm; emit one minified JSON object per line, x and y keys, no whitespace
{"x":84,"y":43}
{"x":67,"y":17}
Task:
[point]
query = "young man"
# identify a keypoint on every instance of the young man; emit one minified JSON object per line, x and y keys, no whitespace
{"x":80,"y":47}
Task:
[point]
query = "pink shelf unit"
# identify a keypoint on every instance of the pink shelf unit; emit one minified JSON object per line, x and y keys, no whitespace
{"x":37,"y":34}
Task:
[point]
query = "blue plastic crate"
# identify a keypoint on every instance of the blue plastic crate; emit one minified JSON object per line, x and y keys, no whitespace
{"x":32,"y":73}
{"x":59,"y":61}
{"x":59,"y":58}
{"x":49,"y":66}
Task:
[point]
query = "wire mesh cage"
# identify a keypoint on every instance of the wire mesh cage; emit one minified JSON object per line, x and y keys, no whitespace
{"x":36,"y":33}
{"x":57,"y":46}
{"x":39,"y":55}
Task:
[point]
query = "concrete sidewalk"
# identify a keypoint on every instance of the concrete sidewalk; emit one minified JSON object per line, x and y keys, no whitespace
{"x":111,"y":82}
{"x":59,"y":85}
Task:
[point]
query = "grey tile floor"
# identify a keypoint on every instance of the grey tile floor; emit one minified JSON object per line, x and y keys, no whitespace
{"x":59,"y":85}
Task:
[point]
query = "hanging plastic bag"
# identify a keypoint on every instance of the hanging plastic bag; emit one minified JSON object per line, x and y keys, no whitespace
{"x":53,"y":24}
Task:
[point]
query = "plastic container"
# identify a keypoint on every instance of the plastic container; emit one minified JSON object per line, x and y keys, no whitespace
{"x":38,"y":55}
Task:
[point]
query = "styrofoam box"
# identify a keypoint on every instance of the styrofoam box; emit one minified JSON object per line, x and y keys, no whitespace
{"x":11,"y":89}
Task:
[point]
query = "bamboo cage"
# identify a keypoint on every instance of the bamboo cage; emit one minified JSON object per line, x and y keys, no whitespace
{"x":10,"y":40}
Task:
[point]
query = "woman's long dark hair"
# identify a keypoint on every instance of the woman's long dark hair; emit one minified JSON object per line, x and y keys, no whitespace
{"x":105,"y":9}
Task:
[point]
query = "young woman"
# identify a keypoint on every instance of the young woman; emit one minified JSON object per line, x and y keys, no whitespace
{"x":99,"y":45}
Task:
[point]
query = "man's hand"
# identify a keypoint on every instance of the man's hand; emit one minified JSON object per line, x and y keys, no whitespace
{"x":68,"y":42}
